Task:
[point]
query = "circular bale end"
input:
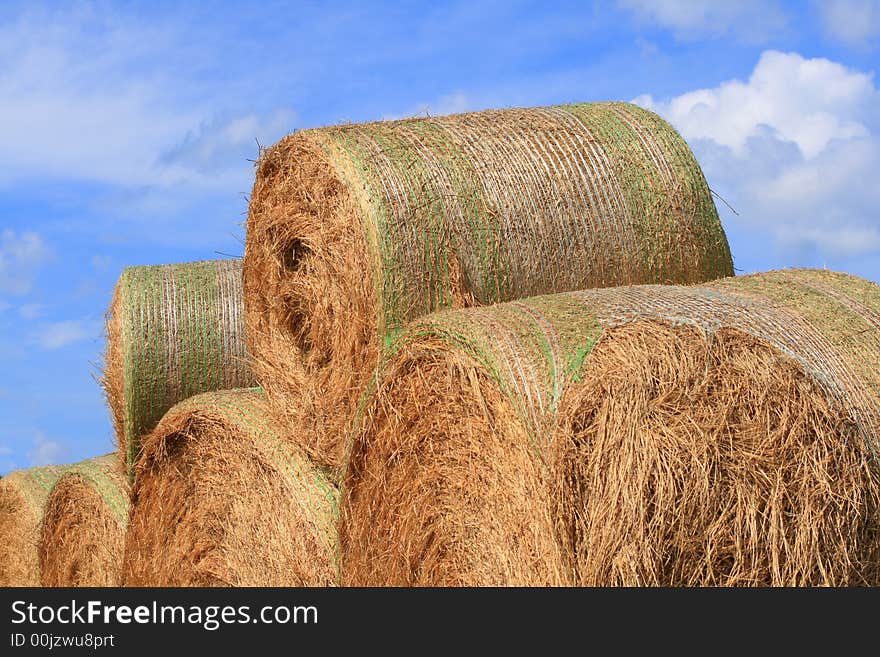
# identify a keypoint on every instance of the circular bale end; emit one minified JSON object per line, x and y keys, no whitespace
{"x":443,"y":486}
{"x":220,"y":500}
{"x":23,"y":495}
{"x":113,"y":371}
{"x":83,"y":531}
{"x":692,"y":459}
{"x":310,"y":303}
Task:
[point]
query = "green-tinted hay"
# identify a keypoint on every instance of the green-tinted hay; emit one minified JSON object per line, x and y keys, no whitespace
{"x":615,"y":197}
{"x":173,"y":331}
{"x":82,"y":534}
{"x":356,"y":230}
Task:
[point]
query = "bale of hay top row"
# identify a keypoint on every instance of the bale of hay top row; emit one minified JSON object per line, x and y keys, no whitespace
{"x":355,"y":230}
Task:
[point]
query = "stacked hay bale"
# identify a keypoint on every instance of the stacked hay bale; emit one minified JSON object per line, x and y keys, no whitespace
{"x":23,"y":495}
{"x":721,"y":434}
{"x":222,"y":498}
{"x":83,"y":529}
{"x":173,"y":331}
{"x":355,"y":230}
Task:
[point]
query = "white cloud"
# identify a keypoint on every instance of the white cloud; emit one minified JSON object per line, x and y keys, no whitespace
{"x":60,"y":334}
{"x":795,"y":149}
{"x":45,"y":451}
{"x":101,"y":261}
{"x":21,"y":254}
{"x":751,"y":20}
{"x":853,"y":22}
{"x":805,"y":101}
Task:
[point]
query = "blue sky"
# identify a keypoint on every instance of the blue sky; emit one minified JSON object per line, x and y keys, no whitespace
{"x":127,"y":130}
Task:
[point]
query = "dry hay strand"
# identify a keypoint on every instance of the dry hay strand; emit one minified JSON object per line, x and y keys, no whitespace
{"x":220,"y":499}
{"x":355,"y":230}
{"x":83,"y":530}
{"x":722,"y":434}
{"x":23,"y":495}
{"x":173,"y":331}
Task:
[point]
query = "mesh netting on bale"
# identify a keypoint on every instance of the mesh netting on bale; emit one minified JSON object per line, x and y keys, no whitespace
{"x":722,"y":434}
{"x":354,"y":230}
{"x":23,"y":495}
{"x":83,"y":530}
{"x":173,"y":331}
{"x":221,"y":499}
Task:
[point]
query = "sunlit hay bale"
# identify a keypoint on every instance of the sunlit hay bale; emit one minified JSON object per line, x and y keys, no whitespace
{"x":221,"y":498}
{"x":23,"y":495}
{"x":172,"y":331}
{"x":355,"y":230}
{"x":83,"y":530}
{"x":722,"y":434}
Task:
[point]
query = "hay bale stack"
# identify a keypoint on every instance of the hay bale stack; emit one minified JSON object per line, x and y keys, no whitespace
{"x":83,"y":530}
{"x":355,"y":230}
{"x":722,"y":434}
{"x":173,"y":331}
{"x":23,"y":495}
{"x":220,"y":498}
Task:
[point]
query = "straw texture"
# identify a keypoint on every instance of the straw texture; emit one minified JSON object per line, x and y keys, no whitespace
{"x":220,"y":498}
{"x":719,"y":434}
{"x":83,"y":530}
{"x":355,"y":230}
{"x":172,"y":331}
{"x":23,"y":495}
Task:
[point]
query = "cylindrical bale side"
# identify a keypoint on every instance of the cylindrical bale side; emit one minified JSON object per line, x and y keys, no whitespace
{"x":355,"y":230}
{"x":720,"y":434}
{"x":173,"y":331}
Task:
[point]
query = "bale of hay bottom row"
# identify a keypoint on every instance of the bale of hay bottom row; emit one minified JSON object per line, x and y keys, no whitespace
{"x":355,"y":230}
{"x":173,"y":331}
{"x":221,"y":498}
{"x":720,"y":434}
{"x":83,"y":529}
{"x":23,"y":495}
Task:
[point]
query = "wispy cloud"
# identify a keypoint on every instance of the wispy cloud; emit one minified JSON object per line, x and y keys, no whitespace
{"x":61,"y":334}
{"x":46,"y":451}
{"x":21,"y":254}
{"x":95,"y":100}
{"x":749,"y":20}
{"x":795,"y":148}
{"x":31,"y":311}
{"x":853,"y":22}
{"x":225,"y":142}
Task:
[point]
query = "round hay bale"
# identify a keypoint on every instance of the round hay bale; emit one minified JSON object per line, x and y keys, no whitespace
{"x":23,"y":495}
{"x":722,"y":434}
{"x":83,"y":531}
{"x":355,"y":230}
{"x":220,"y":499}
{"x":173,"y":331}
